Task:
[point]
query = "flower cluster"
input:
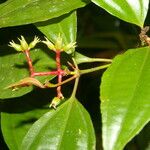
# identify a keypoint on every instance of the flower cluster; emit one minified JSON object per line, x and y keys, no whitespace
{"x":23,"y":44}
{"x":58,"y":46}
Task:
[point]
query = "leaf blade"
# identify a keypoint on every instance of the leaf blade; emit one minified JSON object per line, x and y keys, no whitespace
{"x":61,"y":130}
{"x":124,"y":95}
{"x":65,"y":25}
{"x":19,"y":114}
{"x":137,"y":9}
{"x":10,"y":11}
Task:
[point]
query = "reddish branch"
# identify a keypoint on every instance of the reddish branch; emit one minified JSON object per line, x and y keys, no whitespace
{"x":45,"y":73}
{"x":58,"y":64}
{"x":59,"y":72}
{"x":29,"y":62}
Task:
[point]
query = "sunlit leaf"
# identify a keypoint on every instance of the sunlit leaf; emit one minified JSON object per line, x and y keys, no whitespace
{"x":125,"y":98}
{"x":133,"y":11}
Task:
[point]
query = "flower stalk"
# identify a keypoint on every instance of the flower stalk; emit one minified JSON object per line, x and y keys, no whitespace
{"x":29,"y":61}
{"x":58,"y":64}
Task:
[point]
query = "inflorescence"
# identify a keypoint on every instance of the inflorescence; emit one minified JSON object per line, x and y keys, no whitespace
{"x":57,"y":47}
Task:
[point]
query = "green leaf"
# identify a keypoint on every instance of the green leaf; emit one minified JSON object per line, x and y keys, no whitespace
{"x":68,"y":127}
{"x":125,"y":98}
{"x":13,"y":68}
{"x":133,"y":11}
{"x":19,"y":114}
{"x":65,"y":25}
{"x":15,"y":126}
{"x":18,"y":12}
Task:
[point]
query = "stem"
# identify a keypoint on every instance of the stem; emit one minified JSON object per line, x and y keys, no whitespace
{"x":62,"y":72}
{"x":58,"y":64}
{"x":94,"y":60}
{"x":29,"y":61}
{"x":76,"y":81}
{"x":99,"y":60}
{"x":50,"y":85}
{"x":75,"y":88}
{"x":93,"y":69}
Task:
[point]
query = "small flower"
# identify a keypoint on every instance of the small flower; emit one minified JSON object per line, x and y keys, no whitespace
{"x":49,"y":44}
{"x":17,"y":47}
{"x":55,"y":102}
{"x":58,"y":43}
{"x":69,"y":47}
{"x":23,"y":43}
{"x":34,"y":42}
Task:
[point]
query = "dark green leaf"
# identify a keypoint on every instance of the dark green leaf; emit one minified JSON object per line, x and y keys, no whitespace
{"x":18,"y":12}
{"x":133,"y":11}
{"x":13,"y":68}
{"x":20,"y":113}
{"x":68,"y":127}
{"x":15,"y":126}
{"x":125,"y":98}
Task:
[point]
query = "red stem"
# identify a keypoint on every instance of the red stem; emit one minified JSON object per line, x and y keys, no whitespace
{"x":58,"y":64}
{"x":29,"y":60}
{"x":59,"y":72}
{"x":62,"y":72}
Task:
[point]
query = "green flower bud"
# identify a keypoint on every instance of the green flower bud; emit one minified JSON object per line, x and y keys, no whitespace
{"x":23,"y":43}
{"x":34,"y":42}
{"x":55,"y":102}
{"x":58,"y":43}
{"x":17,"y":47}
{"x":69,"y":48}
{"x":49,"y":44}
